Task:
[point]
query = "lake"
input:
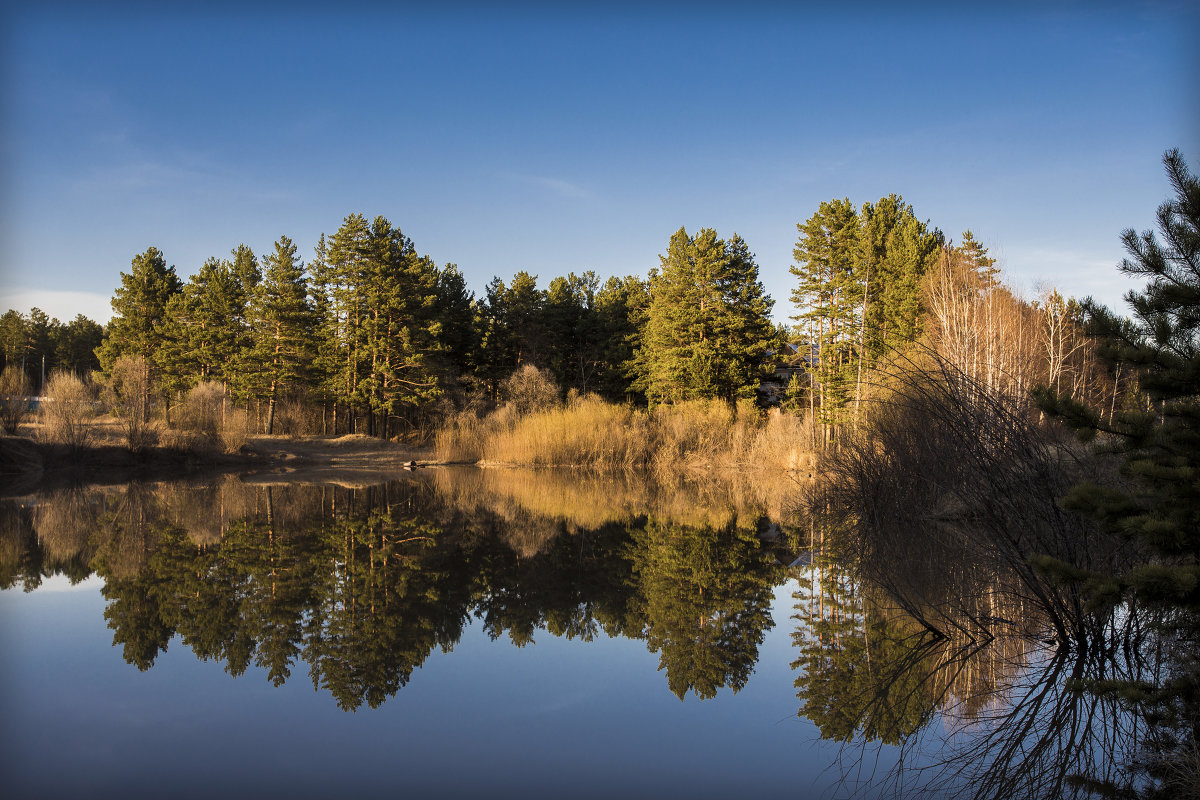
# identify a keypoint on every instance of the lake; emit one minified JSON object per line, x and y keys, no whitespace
{"x":500,"y":633}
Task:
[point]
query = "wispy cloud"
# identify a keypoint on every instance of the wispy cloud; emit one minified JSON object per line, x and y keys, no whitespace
{"x":556,"y":185}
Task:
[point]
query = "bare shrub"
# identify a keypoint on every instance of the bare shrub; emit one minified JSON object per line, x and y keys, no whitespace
{"x":180,"y":438}
{"x":945,"y":462}
{"x":235,"y":430}
{"x":530,"y":389}
{"x":460,"y":438}
{"x":200,"y":411}
{"x":127,"y":392}
{"x":14,"y":398}
{"x":65,"y":521}
{"x":67,"y":410}
{"x":295,"y":416}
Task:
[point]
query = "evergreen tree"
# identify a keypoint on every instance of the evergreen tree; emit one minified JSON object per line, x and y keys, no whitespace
{"x":897,"y":251}
{"x":829,"y":298}
{"x":621,"y":305}
{"x":1161,"y":440}
{"x":139,"y":305}
{"x":14,"y":337}
{"x":400,"y":328}
{"x":573,"y":332}
{"x":203,"y":330}
{"x":708,"y":328}
{"x":512,"y":328}
{"x":283,"y":327}
{"x":1160,"y":507}
{"x":455,"y":311}
{"x":341,"y":279}
{"x":75,"y":345}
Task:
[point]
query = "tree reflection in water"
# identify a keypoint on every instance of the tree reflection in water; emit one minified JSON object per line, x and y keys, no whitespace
{"x":915,"y":642}
{"x":361,"y":584}
{"x":960,"y":667}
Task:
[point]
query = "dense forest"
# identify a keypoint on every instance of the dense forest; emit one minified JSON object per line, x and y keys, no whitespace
{"x":371,"y":336}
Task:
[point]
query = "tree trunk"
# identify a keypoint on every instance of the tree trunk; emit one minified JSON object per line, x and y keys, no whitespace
{"x":271,"y":411}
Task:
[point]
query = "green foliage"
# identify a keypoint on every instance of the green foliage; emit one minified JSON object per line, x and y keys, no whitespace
{"x":42,"y":345}
{"x":140,"y":306}
{"x":204,"y":331}
{"x":283,"y":327}
{"x":829,"y":296}
{"x":859,"y":292}
{"x":707,"y":326}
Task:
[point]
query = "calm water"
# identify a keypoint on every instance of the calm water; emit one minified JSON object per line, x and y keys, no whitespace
{"x":473,"y":633}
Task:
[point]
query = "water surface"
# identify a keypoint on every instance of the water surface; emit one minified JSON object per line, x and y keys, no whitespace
{"x":456,"y":633}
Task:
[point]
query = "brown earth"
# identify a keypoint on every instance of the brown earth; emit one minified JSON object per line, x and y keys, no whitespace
{"x":28,"y":464}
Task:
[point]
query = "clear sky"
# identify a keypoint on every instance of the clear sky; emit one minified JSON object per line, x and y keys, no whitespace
{"x":503,"y":137}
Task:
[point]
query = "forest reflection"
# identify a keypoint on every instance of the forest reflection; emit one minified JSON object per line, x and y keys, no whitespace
{"x":917,"y":643}
{"x":361,"y":583}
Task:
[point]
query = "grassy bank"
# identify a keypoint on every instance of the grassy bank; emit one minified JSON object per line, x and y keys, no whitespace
{"x":670,"y":440}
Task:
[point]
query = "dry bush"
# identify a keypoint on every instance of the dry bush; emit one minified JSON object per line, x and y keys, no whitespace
{"x":180,"y":439}
{"x":297,"y":417}
{"x":235,"y":430}
{"x":127,"y":393}
{"x":460,"y":438}
{"x":207,"y":419}
{"x":692,"y":435}
{"x":201,"y":410}
{"x":671,"y":441}
{"x":15,"y":389}
{"x":65,"y":521}
{"x":530,"y":389}
{"x":67,"y":410}
{"x":946,"y":464}
{"x":590,"y":433}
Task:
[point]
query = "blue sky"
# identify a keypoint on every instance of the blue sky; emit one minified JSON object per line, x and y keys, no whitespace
{"x":535,"y":138}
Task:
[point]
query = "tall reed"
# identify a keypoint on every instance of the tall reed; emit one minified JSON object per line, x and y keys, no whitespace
{"x":591,"y":433}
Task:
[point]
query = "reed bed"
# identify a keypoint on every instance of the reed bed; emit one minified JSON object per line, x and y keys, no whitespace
{"x":698,"y":436}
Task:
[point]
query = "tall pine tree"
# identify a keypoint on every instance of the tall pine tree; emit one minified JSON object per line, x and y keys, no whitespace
{"x":283,"y":327}
{"x":139,"y":305}
{"x":708,"y":327}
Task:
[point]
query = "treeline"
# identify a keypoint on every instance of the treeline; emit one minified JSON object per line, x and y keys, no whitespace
{"x":40,"y":345}
{"x":372,"y":336}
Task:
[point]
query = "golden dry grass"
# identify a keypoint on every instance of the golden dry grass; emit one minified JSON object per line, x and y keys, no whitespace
{"x":699,"y":436}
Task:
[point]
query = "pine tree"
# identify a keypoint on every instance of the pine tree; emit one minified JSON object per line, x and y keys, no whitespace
{"x":203,"y":330}
{"x":829,"y":298}
{"x":400,"y":328}
{"x":341,"y":277}
{"x":1161,"y":442}
{"x":897,"y":251}
{"x":283,"y":327}
{"x":707,"y":328}
{"x":140,"y":305}
{"x":75,"y":345}
{"x":455,"y":311}
{"x":621,"y":305}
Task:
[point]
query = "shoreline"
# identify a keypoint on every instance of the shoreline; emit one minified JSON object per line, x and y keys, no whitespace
{"x":28,"y":465}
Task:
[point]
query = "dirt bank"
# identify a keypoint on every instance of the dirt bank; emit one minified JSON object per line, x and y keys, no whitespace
{"x":27,"y":464}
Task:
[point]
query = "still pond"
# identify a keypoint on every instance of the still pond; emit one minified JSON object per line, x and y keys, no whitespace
{"x":490,"y":633}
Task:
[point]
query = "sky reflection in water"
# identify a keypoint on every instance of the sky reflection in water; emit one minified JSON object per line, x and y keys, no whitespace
{"x":635,"y":619}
